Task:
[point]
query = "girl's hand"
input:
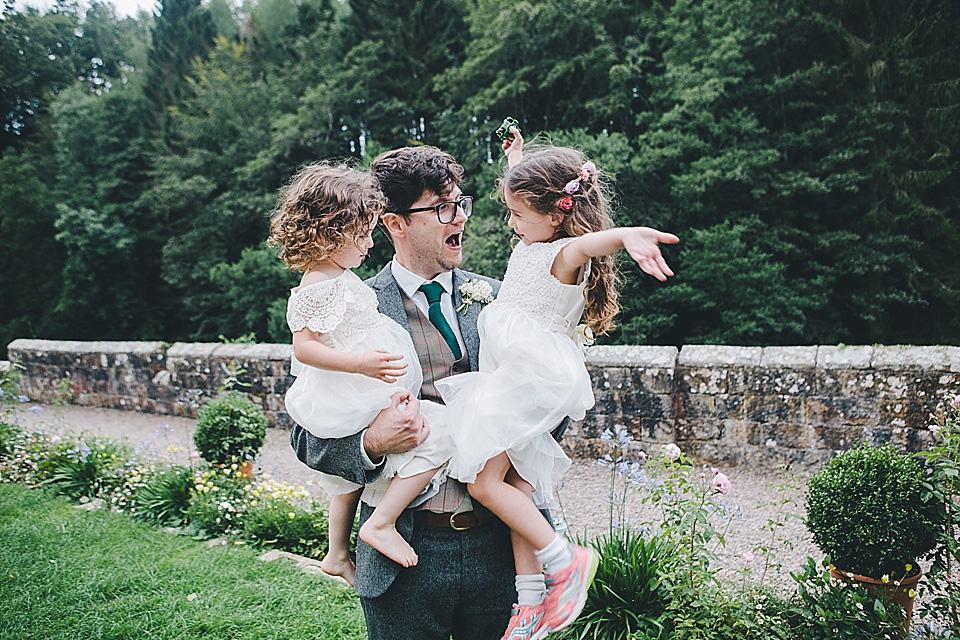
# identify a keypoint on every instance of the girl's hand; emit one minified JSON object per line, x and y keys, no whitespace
{"x":381,"y":365}
{"x":513,"y":149}
{"x":641,"y":244}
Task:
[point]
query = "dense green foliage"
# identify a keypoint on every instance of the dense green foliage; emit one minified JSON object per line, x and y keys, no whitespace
{"x":805,"y":152}
{"x":866,"y":512}
{"x":230,"y":428}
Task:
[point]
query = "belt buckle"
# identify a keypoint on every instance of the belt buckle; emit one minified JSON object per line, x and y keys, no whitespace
{"x":453,"y":521}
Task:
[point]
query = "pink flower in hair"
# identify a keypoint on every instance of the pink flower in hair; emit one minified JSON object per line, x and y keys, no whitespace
{"x":573,"y":186}
{"x":565,"y":203}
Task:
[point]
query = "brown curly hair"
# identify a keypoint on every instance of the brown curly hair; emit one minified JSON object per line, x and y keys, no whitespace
{"x":539,"y":181}
{"x":321,"y":209}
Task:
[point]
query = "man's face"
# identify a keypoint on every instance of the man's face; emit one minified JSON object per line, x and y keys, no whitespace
{"x":427,"y":247}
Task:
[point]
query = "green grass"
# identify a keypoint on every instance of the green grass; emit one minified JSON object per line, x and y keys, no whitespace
{"x":77,"y":575}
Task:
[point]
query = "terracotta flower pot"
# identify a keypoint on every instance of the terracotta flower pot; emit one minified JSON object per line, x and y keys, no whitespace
{"x":900,"y":594}
{"x":246,"y":469}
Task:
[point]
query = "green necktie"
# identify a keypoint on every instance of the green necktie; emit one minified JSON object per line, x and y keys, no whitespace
{"x":433,"y":291}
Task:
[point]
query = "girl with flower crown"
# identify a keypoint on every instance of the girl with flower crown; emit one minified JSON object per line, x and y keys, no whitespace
{"x":532,"y":373}
{"x":350,"y":360}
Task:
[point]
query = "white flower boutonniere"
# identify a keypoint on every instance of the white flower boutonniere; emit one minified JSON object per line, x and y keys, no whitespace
{"x":475,"y":291}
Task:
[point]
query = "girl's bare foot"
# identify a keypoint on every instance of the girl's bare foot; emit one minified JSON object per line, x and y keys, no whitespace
{"x":339,"y":565}
{"x":385,"y":539}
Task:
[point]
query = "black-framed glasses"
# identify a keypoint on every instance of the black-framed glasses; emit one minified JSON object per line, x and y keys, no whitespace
{"x":446,"y":211}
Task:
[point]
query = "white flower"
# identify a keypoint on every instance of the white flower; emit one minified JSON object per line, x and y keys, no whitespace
{"x":475,"y":291}
{"x":586,"y":335}
{"x":670,"y":451}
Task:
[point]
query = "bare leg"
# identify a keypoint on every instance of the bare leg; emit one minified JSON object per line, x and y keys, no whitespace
{"x":510,"y":504}
{"x":380,"y":529}
{"x":337,"y":562}
{"x":524,"y":556}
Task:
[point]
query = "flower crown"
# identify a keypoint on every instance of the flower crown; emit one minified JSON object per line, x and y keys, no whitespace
{"x":565,"y":203}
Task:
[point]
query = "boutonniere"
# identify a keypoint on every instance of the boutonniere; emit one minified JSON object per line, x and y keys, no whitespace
{"x":474,"y":291}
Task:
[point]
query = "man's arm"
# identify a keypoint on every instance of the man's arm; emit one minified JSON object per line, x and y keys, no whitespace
{"x":396,"y":429}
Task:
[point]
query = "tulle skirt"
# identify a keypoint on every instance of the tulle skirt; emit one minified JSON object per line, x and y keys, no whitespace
{"x":530,"y":379}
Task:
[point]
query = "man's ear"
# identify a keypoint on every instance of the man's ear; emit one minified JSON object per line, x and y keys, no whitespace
{"x":394,"y":224}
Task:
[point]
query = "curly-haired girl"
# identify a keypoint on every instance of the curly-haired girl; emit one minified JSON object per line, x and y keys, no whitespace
{"x":349,"y":359}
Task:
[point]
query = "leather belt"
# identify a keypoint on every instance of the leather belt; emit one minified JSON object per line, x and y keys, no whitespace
{"x":456,"y":521}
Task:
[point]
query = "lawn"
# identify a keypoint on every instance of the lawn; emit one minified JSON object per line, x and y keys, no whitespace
{"x":78,"y":575}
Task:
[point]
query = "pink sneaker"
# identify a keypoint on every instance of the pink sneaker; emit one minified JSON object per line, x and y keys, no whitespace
{"x":567,"y":589}
{"x":526,"y":623}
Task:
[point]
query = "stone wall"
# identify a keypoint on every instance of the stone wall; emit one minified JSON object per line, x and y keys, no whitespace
{"x":734,"y":405}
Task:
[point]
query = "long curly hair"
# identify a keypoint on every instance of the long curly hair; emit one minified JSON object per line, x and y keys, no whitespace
{"x":539,"y":181}
{"x":322,"y":209}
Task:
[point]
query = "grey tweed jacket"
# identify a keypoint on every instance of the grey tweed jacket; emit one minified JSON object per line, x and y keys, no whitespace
{"x":341,"y":457}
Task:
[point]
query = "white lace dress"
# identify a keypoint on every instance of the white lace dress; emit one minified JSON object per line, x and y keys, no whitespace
{"x":333,"y":404}
{"x":531,"y":376}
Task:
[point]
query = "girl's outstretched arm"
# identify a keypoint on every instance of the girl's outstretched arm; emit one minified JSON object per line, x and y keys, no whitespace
{"x":377,"y":363}
{"x":640,"y":242}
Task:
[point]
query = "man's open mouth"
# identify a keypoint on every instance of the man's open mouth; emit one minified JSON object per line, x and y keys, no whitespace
{"x":454,"y":241}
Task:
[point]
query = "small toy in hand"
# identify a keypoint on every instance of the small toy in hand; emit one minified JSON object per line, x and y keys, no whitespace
{"x":504,"y":132}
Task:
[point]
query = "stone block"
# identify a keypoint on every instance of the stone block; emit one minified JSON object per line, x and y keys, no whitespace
{"x":837,"y":438}
{"x":788,"y":357}
{"x":699,"y":429}
{"x":706,"y":380}
{"x":781,"y":380}
{"x":900,"y":357}
{"x":844,"y":357}
{"x":632,"y":356}
{"x":778,"y":434}
{"x":773,"y":408}
{"x":705,"y":355}
{"x":841,"y":410}
{"x":191,"y":350}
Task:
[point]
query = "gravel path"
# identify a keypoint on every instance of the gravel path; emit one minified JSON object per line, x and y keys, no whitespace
{"x":584,"y":495}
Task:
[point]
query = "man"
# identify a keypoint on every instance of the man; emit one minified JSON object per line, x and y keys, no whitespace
{"x":463,"y":584}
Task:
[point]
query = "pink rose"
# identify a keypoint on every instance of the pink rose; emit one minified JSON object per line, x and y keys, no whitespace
{"x":194,"y":455}
{"x":747,"y":557}
{"x":721,"y":484}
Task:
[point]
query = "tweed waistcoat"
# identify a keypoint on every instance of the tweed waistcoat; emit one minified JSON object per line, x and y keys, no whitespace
{"x":437,"y":363}
{"x":435,"y":356}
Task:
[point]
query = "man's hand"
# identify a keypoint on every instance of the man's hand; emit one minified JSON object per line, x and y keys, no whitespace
{"x":513,"y":149}
{"x":381,"y":365}
{"x":396,"y":429}
{"x":641,"y":244}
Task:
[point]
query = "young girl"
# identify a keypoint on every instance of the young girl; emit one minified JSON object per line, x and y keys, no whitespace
{"x":532,"y":371}
{"x":348,"y":358}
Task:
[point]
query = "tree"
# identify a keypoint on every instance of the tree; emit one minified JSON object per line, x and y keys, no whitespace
{"x":183,"y":32}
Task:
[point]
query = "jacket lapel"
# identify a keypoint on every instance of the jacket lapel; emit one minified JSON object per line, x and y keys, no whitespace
{"x":388,"y":296}
{"x":467,"y":320}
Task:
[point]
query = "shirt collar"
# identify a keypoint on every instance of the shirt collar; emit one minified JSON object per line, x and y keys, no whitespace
{"x":410,"y":282}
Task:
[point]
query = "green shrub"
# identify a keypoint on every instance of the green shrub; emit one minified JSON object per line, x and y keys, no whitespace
{"x":230,"y":427}
{"x":218,"y":500}
{"x":165,"y":498}
{"x":92,"y":467}
{"x":278,"y":524}
{"x":628,"y":598}
{"x":865,"y":511}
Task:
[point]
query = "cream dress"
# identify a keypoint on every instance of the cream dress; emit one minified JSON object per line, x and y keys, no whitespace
{"x":531,"y":374}
{"x":333,"y":404}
